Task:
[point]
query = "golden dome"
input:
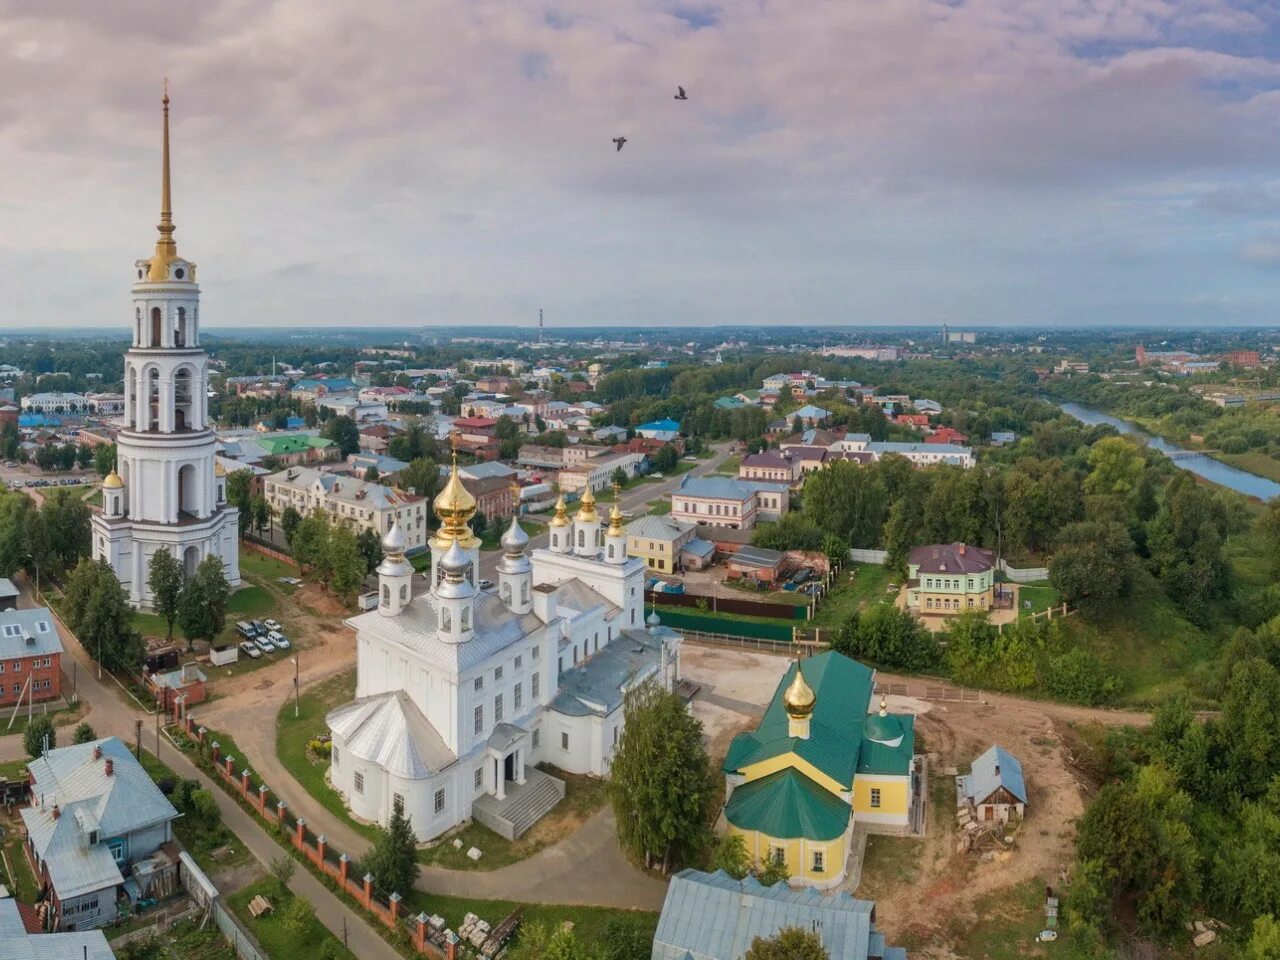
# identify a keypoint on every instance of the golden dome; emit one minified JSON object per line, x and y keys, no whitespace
{"x":615,"y":515}
{"x":112,"y":481}
{"x":587,"y":510}
{"x":218,"y":469}
{"x":799,"y":698}
{"x":561,"y":519}
{"x":454,"y":507}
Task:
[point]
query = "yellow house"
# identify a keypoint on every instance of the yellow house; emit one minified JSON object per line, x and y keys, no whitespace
{"x":818,"y":763}
{"x":657,"y":541}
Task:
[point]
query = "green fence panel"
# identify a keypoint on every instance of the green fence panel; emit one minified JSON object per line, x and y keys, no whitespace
{"x":737,"y":628}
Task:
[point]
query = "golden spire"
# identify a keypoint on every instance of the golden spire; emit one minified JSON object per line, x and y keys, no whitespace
{"x":587,"y":510}
{"x":166,"y":246}
{"x":561,"y":519}
{"x":884,"y":706}
{"x":799,"y":698}
{"x":454,"y":506}
{"x":615,"y":515}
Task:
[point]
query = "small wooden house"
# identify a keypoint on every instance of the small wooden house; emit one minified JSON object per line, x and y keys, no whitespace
{"x":995,"y":788}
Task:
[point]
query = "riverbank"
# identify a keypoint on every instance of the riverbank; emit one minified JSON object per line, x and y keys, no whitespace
{"x":1213,"y":468}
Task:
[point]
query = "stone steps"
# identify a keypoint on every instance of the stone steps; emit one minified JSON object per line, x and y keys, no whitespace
{"x":534,"y":802}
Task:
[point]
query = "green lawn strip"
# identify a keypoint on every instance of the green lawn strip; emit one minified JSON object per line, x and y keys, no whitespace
{"x":63,"y":720}
{"x":265,"y":567}
{"x":421,"y":561}
{"x":19,"y":878}
{"x":729,"y":468}
{"x":790,"y":597}
{"x":583,"y":796}
{"x":856,"y":586}
{"x":1254,"y":462}
{"x":1041,"y":595}
{"x":661,"y":507}
{"x":1008,"y":922}
{"x":278,"y":937}
{"x":293,"y":734}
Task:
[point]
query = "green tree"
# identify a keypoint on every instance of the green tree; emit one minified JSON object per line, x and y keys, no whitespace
{"x":1249,"y":745}
{"x":165,"y":579}
{"x":39,"y":734}
{"x":619,"y":476}
{"x":370,"y":545}
{"x":239,"y":483}
{"x":66,"y":522}
{"x":627,"y":937}
{"x":661,"y":785}
{"x":1093,"y":566}
{"x":282,"y":869}
{"x":310,"y":543}
{"x":261,"y":512}
{"x":104,"y":458}
{"x":790,"y":943}
{"x":889,"y":637}
{"x":83,"y":734}
{"x":1116,"y":467}
{"x":539,"y":941}
{"x":371,"y":474}
{"x":1264,"y":940}
{"x":97,"y":609}
{"x":289,"y":520}
{"x":348,"y":565}
{"x":421,"y":477}
{"x":344,"y":433}
{"x":731,"y":856}
{"x":202,"y":611}
{"x":298,"y":918}
{"x":393,"y":859}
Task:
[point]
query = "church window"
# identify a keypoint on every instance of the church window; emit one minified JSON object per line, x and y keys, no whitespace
{"x":357,"y":781}
{"x":524,"y":592}
{"x":575,"y":653}
{"x":616,"y":731}
{"x":497,"y":673}
{"x":778,"y":855}
{"x":397,"y":804}
{"x":386,"y":595}
{"x":479,"y":721}
{"x":564,"y":740}
{"x":582,"y":538}
{"x":875,"y":797}
{"x":466,"y":618}
{"x":596,"y":642}
{"x":179,"y":273}
{"x":819,"y":857}
{"x":519,"y":661}
{"x":497,"y":709}
{"x":479,"y":683}
{"x":446,"y":619}
{"x":439,"y":801}
{"x":517,"y":697}
{"x":478,"y":778}
{"x":506,"y":593}
{"x":404,"y":592}
{"x":537,"y":737}
{"x":534,"y":683}
{"x":611,"y":551}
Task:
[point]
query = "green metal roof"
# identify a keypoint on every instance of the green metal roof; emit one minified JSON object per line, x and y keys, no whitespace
{"x":292,"y":444}
{"x":786,"y":805}
{"x":836,"y":739}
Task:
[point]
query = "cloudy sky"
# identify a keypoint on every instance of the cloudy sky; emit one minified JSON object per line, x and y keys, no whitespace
{"x":838,"y":161}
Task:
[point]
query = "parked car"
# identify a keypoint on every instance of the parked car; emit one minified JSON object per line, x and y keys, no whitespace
{"x":250,"y":649}
{"x":486,"y":584}
{"x":246,"y":630}
{"x":265,"y":645}
{"x":272,"y":625}
{"x":280,"y":641}
{"x":261,"y":627}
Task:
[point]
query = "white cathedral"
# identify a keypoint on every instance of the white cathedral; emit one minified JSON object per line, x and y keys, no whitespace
{"x":461,"y":691}
{"x":166,"y":491}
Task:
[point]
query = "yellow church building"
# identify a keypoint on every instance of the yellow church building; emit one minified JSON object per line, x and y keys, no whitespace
{"x":818,"y":763}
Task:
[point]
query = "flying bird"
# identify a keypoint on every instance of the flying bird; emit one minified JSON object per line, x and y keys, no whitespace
{"x":619,"y":141}
{"x":681,"y":95}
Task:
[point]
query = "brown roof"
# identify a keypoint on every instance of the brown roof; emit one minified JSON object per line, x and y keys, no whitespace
{"x":953,"y":558}
{"x":768,"y":458}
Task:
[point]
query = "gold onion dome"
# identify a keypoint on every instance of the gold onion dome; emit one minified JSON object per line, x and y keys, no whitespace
{"x":218,"y":469}
{"x":454,"y":507}
{"x":587,"y":512}
{"x":561,"y":519}
{"x":112,"y":480}
{"x":799,"y":698}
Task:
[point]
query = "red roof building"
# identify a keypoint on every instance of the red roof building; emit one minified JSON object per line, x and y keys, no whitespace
{"x":947,"y":435}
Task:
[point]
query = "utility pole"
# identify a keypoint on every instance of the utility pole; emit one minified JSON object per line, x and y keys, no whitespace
{"x":295,"y":687}
{"x":137,"y":733}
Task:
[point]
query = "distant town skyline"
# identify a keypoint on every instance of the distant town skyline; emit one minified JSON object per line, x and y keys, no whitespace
{"x":901,"y":163}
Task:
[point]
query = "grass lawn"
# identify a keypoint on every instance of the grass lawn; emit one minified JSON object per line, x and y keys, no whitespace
{"x":18,"y":876}
{"x":292,"y":736}
{"x":251,"y":602}
{"x":1007,"y":925}
{"x":264,"y":567}
{"x":1041,"y":595}
{"x":151,"y":624}
{"x":660,"y":508}
{"x":769,"y":596}
{"x":278,"y":935}
{"x":583,"y":796}
{"x":729,"y":468}
{"x":855,"y":587}
{"x":186,"y":941}
{"x":1252,"y":462}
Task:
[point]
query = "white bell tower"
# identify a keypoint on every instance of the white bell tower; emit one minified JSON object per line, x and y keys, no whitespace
{"x":515,"y":572}
{"x":560,"y":530}
{"x":166,"y":450}
{"x":455,"y":597}
{"x":586,"y":526}
{"x":395,"y":574}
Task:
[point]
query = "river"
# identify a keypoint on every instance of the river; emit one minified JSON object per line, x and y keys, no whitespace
{"x":1202,"y":465}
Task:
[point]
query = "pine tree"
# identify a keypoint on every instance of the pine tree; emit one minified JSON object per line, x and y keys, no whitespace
{"x":393,"y":861}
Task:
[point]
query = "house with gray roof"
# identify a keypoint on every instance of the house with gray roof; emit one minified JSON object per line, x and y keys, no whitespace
{"x":95,"y":813}
{"x":728,"y":501}
{"x":8,"y":594}
{"x":18,"y":942}
{"x":712,"y":916}
{"x":995,"y":788}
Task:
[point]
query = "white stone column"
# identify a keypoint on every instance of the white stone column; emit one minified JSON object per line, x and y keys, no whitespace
{"x":520,"y":765}
{"x":500,"y":779}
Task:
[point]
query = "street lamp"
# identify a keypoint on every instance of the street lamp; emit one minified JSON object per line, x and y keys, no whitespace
{"x":296,"y":693}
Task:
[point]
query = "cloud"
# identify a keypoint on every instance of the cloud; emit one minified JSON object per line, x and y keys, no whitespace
{"x":1262,"y":253}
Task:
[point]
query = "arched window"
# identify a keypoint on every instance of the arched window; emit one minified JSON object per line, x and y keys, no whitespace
{"x":524,"y":592}
{"x":506,"y":593}
{"x":446,"y":619}
{"x":611,"y":551}
{"x":466,"y":618}
{"x":155,"y":326}
{"x":386,"y":595}
{"x":137,"y":326}
{"x":180,"y":332}
{"x":404,"y":592}
{"x":582,"y":538}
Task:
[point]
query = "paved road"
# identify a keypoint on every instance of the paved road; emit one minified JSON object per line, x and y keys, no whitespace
{"x":633,"y":499}
{"x":110,"y":715}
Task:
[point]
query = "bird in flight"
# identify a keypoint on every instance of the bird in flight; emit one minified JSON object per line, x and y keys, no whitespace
{"x":619,"y":141}
{"x":681,"y":95}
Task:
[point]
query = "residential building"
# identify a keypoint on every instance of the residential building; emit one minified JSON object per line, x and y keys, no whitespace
{"x":105,"y":404}
{"x":22,"y":938}
{"x":494,"y":495}
{"x":659,"y":429}
{"x":728,"y":501}
{"x":535,"y":671}
{"x":284,"y":449}
{"x":712,"y":916}
{"x":946,"y":578}
{"x":774,"y":466}
{"x":358,"y":503}
{"x":818,"y":763}
{"x":55,"y":403}
{"x":1071,"y":366}
{"x":30,"y":656}
{"x":8,"y":594}
{"x":658,"y":540}
{"x":747,"y":562}
{"x":97,"y":814}
{"x":995,"y":788}
{"x":377,"y":438}
{"x":1242,"y":358}
{"x":809,"y":415}
{"x":916,"y":420}
{"x":346,"y":405}
{"x":927,"y":407}
{"x":947,"y":435}
{"x":1002,"y":438}
{"x":388,"y":468}
{"x":597,"y":473}
{"x":165,"y":492}
{"x":314,"y":388}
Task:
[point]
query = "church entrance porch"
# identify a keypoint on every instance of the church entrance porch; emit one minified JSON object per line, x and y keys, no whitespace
{"x":522,"y":805}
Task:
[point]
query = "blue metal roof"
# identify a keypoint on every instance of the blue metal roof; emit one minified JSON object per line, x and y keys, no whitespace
{"x":660,"y":425}
{"x":994,"y":769}
{"x":699,"y":547}
{"x":711,"y":916}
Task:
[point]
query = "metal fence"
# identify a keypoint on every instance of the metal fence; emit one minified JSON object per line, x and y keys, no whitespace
{"x":685,"y":621}
{"x":242,"y":942}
